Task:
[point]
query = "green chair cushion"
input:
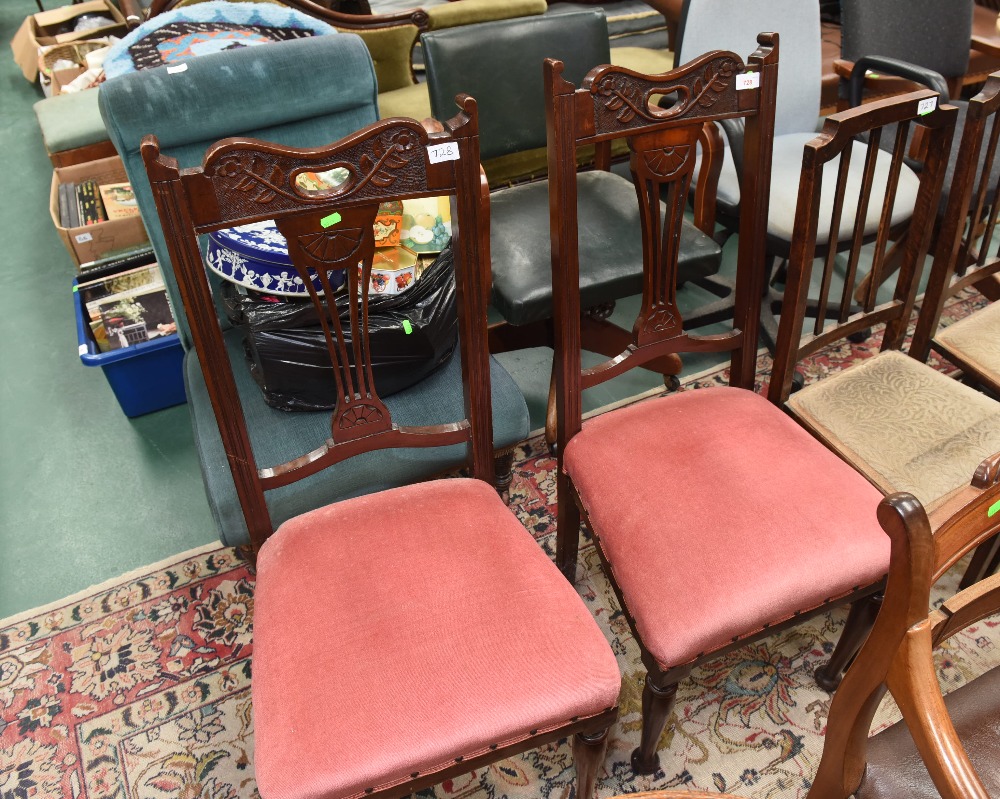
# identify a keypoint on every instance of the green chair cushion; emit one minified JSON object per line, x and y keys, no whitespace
{"x":500,"y":64}
{"x":906,"y":426}
{"x":279,"y":435}
{"x":411,"y":101}
{"x":468,"y":12}
{"x":643,"y":59}
{"x":71,"y":120}
{"x":191,"y":110}
{"x":390,"y":49}
{"x":976,"y":339}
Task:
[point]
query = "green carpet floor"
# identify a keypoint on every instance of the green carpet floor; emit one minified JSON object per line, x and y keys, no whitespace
{"x":85,"y":493}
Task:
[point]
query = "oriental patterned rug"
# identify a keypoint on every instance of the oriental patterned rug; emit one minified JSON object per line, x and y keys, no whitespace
{"x":140,"y":688}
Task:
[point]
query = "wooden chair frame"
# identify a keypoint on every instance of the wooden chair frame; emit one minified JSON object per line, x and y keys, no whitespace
{"x":613,"y":103}
{"x":575,"y":119}
{"x":898,"y":654}
{"x":838,"y":132}
{"x":970,"y":220}
{"x":245,"y":180}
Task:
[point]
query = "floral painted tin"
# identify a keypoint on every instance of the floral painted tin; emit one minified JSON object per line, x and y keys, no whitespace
{"x":393,"y":271}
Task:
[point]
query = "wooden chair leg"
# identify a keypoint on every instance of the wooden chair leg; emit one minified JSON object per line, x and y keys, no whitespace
{"x":551,"y":413}
{"x":567,"y":529}
{"x":860,"y":620}
{"x":589,"y":753}
{"x":657,"y":705}
{"x":983,"y":563}
{"x":503,"y":471}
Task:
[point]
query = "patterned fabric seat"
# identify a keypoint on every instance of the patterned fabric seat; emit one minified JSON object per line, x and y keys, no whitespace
{"x":479,"y":644}
{"x":907,"y":427}
{"x":977,"y":339}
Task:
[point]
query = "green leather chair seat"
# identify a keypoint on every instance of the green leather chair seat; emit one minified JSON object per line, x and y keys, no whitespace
{"x":70,"y":120}
{"x":610,"y":236}
{"x":279,"y":435}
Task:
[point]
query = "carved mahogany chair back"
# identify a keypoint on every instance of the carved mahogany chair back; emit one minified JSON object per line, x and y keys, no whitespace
{"x":673,"y":486}
{"x":245,"y":180}
{"x":614,"y":103}
{"x":955,"y":737}
{"x":826,"y":163}
{"x":967,"y":252}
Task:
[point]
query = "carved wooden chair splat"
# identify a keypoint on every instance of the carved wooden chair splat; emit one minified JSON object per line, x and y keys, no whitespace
{"x":243,"y":181}
{"x":434,"y":719}
{"x":671,"y":487}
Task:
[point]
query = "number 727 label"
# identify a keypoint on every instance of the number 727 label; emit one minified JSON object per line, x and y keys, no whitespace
{"x":446,"y":151}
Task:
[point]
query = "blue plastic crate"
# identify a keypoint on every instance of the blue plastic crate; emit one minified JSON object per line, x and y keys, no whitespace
{"x":145,"y":377}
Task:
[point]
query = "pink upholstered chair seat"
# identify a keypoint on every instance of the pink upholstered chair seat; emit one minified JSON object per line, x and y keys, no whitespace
{"x":400,"y":631}
{"x":783,"y":527}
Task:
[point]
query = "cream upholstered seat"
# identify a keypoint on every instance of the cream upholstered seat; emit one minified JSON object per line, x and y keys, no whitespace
{"x":906,"y":426}
{"x":977,"y":339}
{"x":464,"y":604}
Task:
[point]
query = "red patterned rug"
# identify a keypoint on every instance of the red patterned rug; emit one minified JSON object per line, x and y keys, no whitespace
{"x":139,"y":688}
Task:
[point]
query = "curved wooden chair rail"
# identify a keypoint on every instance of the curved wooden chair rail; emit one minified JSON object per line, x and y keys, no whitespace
{"x":898,"y":654}
{"x":134,"y":14}
{"x":242,"y":180}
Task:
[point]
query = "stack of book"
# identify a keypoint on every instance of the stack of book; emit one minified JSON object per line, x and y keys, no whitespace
{"x":87,"y":203}
{"x":127,"y":308}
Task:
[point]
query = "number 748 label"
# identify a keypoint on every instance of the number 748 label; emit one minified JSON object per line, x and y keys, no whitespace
{"x":446,"y":151}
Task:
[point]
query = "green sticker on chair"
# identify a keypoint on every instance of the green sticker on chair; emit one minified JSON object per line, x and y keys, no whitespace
{"x":331,"y":220}
{"x":994,"y":510}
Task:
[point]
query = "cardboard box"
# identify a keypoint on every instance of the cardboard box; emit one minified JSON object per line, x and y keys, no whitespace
{"x":46,"y":28}
{"x":90,"y":242}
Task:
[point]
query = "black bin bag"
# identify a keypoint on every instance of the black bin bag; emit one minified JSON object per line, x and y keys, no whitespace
{"x":411,"y":334}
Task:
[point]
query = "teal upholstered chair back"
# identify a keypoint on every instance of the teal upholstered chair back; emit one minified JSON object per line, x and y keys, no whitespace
{"x":734,"y":25}
{"x":503,"y":61}
{"x":303,"y":93}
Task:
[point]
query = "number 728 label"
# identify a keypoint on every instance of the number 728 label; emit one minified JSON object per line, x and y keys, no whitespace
{"x":446,"y":151}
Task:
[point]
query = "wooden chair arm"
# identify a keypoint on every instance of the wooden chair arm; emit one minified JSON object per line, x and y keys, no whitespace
{"x":970,"y":605}
{"x":913,"y":683}
{"x":964,"y":516}
{"x":988,"y":46}
{"x":413,"y":16}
